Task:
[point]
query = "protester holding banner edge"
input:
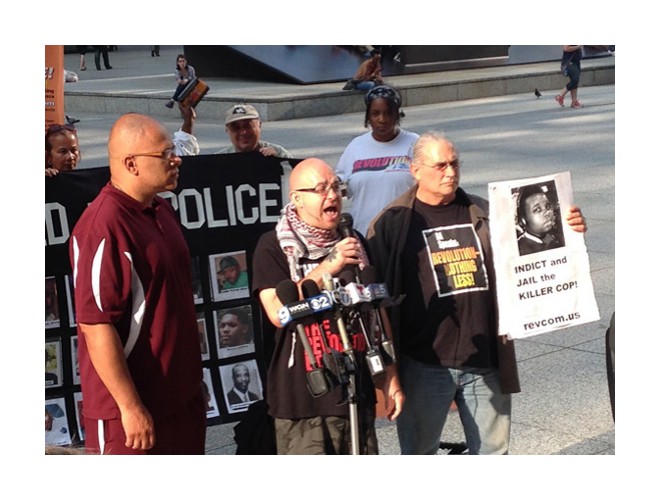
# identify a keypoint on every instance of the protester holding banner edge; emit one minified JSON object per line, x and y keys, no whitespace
{"x":62,"y":149}
{"x":243,"y":126}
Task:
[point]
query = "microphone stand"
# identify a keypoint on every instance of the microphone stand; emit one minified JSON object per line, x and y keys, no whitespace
{"x":348,"y":350}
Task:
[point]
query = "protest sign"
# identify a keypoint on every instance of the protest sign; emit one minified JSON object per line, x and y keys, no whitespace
{"x":224,"y":204}
{"x":541,"y":264}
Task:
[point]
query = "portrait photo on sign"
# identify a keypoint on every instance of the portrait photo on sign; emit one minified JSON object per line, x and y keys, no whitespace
{"x":242,"y":385}
{"x":52,"y":305}
{"x":209,"y":395}
{"x":538,"y":218}
{"x":203,"y":338}
{"x":57,"y":426}
{"x":229,"y":276}
{"x":233,"y":331}
{"x":71,"y":306}
{"x":75,"y":368}
{"x":54,"y":363}
{"x":542,"y":266}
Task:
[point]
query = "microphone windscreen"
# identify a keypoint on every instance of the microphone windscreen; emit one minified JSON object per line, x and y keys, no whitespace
{"x":287,"y":292}
{"x":346,"y":225}
{"x":369,"y":275}
{"x":328,"y":284}
{"x":310,"y":289}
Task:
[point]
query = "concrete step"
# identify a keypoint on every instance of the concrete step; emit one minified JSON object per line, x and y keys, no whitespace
{"x":275,"y":101}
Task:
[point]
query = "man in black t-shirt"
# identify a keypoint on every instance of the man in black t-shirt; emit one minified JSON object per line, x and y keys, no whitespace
{"x":433,"y":245}
{"x":305,"y":245}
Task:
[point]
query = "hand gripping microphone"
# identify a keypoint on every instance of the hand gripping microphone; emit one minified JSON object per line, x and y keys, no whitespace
{"x":317,"y":381}
{"x":369,"y":275}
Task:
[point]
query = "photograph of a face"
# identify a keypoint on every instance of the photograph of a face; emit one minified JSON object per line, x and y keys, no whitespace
{"x":229,"y":276}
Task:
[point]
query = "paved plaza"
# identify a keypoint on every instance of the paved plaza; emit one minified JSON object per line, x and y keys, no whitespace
{"x":564,"y":407}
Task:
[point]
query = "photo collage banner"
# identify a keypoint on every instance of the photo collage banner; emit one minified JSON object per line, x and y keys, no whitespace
{"x":225,"y":203}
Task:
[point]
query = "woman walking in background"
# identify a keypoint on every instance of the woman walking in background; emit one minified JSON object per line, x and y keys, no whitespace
{"x":571,"y":67}
{"x":82,"y":50}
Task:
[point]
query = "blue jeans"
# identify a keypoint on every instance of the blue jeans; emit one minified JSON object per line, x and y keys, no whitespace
{"x":177,"y":91}
{"x":573,"y":72}
{"x":366,"y":85}
{"x":430,"y":389}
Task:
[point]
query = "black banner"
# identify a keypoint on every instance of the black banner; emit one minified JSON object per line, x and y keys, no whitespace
{"x":225,"y":203}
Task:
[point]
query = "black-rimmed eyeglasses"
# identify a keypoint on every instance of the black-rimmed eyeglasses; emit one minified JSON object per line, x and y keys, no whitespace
{"x":324,"y":189}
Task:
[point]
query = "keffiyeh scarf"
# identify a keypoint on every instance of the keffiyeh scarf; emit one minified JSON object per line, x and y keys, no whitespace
{"x":299,"y":240}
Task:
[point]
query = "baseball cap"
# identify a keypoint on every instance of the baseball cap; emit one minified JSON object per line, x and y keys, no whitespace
{"x":228,"y":261}
{"x":241,"y":112}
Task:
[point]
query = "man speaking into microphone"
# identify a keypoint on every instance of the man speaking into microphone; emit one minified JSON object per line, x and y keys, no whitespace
{"x":307,"y":245}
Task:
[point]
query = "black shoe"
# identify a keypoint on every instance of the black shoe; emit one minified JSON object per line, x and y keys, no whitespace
{"x":170,"y":104}
{"x":108,"y":67}
{"x":153,"y":53}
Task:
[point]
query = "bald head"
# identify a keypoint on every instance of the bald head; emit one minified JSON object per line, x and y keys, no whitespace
{"x":139,"y":150}
{"x":316,"y":208}
{"x":308,"y":170}
{"x":131,"y":133}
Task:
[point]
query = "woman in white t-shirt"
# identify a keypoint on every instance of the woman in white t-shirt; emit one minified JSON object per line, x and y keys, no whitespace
{"x":376,"y":165}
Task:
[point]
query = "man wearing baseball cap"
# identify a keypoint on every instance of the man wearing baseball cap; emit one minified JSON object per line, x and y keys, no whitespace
{"x":230,"y":274}
{"x":243,"y":127}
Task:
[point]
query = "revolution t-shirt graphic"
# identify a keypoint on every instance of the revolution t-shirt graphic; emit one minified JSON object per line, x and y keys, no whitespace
{"x":382,"y":163}
{"x":456,"y":258}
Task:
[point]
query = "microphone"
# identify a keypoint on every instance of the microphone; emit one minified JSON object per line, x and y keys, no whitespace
{"x":297,"y":309}
{"x":329,"y":286}
{"x":317,"y":381}
{"x":337,"y":363}
{"x":370,"y":276}
{"x":346,"y":225}
{"x":346,"y":231}
{"x":373,"y":357}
